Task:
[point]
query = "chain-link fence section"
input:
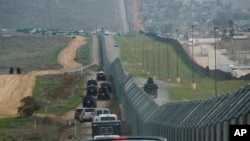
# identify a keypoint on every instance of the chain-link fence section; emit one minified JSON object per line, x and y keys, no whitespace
{"x":203,"y":120}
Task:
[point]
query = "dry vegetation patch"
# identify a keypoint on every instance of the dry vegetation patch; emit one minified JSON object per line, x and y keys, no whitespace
{"x":32,"y":129}
{"x":57,"y":91}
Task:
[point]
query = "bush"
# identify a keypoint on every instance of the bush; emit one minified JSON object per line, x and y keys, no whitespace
{"x":28,"y":107}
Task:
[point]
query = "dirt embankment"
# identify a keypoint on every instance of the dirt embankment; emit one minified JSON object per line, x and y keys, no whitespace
{"x":135,"y":20}
{"x":14,"y":87}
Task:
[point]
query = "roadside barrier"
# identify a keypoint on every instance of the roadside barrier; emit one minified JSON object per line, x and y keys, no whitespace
{"x":203,"y":120}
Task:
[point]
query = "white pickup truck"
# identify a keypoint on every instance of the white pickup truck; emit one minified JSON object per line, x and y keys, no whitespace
{"x":99,"y":111}
{"x":107,"y":124}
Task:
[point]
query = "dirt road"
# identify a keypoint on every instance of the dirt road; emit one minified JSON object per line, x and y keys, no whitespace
{"x":14,"y":87}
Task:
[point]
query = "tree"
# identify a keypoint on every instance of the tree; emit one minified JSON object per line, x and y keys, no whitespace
{"x":28,"y":107}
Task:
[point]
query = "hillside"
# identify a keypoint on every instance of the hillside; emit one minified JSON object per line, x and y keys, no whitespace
{"x":58,"y":14}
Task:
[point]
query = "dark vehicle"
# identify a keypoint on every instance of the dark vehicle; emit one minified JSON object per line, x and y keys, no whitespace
{"x":151,"y":88}
{"x":78,"y":112}
{"x":103,"y":94}
{"x":106,"y":128}
{"x":18,"y":71}
{"x":116,"y":45}
{"x":106,"y":85}
{"x":11,"y":70}
{"x":91,"y":82}
{"x":92,"y":90}
{"x":100,"y":76}
{"x":89,"y":101}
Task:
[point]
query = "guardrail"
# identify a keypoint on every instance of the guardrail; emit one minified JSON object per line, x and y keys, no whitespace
{"x":203,"y":120}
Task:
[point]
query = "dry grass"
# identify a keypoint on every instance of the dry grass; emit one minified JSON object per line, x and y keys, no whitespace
{"x":30,"y":52}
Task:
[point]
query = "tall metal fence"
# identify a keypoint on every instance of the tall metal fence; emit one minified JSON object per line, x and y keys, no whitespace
{"x":200,"y":120}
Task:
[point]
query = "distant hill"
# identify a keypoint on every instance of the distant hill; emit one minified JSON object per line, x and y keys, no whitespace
{"x":58,"y":14}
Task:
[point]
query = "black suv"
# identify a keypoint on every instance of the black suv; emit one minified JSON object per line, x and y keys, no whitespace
{"x":89,"y":101}
{"x":100,"y":76}
{"x":151,"y":88}
{"x":91,"y":82}
{"x":92,"y":90}
{"x":103,"y":94}
{"x":106,"y":85}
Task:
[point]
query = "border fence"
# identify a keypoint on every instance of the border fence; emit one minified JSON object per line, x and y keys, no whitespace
{"x":200,"y":120}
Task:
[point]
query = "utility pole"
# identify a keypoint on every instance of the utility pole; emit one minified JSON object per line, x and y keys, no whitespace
{"x":215,"y":74}
{"x":158,"y":61}
{"x":143,"y":45}
{"x":193,"y":85}
{"x":153,"y":60}
{"x":177,"y":59}
{"x":168,"y":73}
{"x":147,"y":59}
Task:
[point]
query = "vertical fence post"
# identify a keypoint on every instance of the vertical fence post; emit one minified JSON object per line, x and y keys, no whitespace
{"x":207,"y":131}
{"x":189,"y":134}
{"x":225,"y":131}
{"x":219,"y":131}
{"x":184,"y":137}
{"x":198,"y":133}
{"x":193,"y":133}
{"x":248,"y":118}
{"x":213,"y":132}
{"x":202,"y":134}
{"x":178,"y":135}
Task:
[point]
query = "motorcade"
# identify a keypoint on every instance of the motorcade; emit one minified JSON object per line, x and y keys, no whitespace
{"x":87,"y":114}
{"x":103,"y":94}
{"x":77,"y":113}
{"x":91,"y":82}
{"x":106,"y":84}
{"x":100,"y":76}
{"x":107,"y":117}
{"x":112,"y":127}
{"x":99,"y":111}
{"x":151,"y":88}
{"x":92,"y":90}
{"x":89,"y":101}
{"x":116,"y":45}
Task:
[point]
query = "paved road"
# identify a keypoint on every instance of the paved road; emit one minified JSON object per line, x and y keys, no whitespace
{"x":84,"y":130}
{"x":111,"y":51}
{"x":123,"y":18}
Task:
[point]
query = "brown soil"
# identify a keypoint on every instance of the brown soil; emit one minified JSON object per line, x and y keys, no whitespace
{"x":14,"y":87}
{"x":136,"y":21}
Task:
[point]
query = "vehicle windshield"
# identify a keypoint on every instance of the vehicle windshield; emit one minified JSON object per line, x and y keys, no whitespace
{"x":78,"y":110}
{"x":98,"y":112}
{"x":88,"y":98}
{"x":106,"y":112}
{"x":89,"y":110}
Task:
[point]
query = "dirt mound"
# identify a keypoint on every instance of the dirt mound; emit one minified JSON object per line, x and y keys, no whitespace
{"x":14,"y":87}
